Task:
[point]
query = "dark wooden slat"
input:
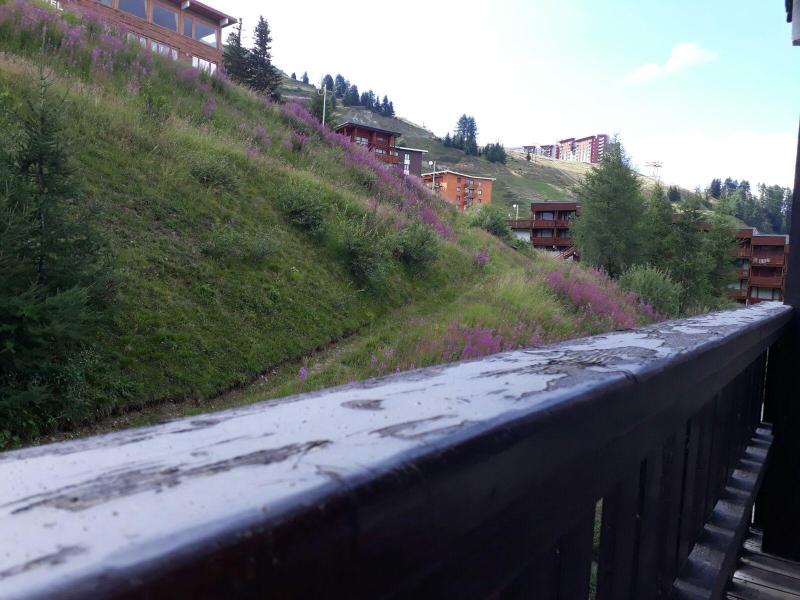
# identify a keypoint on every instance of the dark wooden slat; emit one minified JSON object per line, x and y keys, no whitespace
{"x":618,"y":540}
{"x":768,"y":563}
{"x":742,"y":590}
{"x":539,"y":580}
{"x":713,"y":558}
{"x":674,"y":462}
{"x":687,"y":530}
{"x":767,"y":578}
{"x":651,"y":548}
{"x":575,"y":560}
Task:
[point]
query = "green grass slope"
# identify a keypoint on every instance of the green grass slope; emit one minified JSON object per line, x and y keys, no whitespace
{"x":244,"y":238}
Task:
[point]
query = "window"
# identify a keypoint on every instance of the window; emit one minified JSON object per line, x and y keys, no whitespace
{"x":187,"y":26}
{"x":547,"y":216}
{"x":362,"y":141}
{"x":406,"y":169}
{"x":163,"y":17}
{"x":137,"y":8}
{"x":380,"y":151}
{"x":204,"y":65}
{"x":205,"y":33}
{"x":164,"y":49}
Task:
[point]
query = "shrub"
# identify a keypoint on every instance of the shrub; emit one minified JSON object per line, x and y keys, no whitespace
{"x":492,"y":220}
{"x":654,"y":286}
{"x":364,"y":249}
{"x":214,"y":172}
{"x":416,"y":245}
{"x":306,"y":211}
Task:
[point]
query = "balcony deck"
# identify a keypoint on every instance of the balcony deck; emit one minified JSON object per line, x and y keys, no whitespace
{"x":763,"y":576}
{"x":462,"y":480}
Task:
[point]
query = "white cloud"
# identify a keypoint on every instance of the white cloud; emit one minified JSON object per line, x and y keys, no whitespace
{"x":683,"y":56}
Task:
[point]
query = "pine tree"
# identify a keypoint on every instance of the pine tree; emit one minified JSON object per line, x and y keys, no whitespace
{"x":715,"y":189}
{"x":54,"y":279}
{"x":351,"y":98}
{"x":364,"y":100}
{"x":327,"y":82}
{"x":294,"y":76}
{"x":340,"y":86}
{"x":673,"y":194}
{"x":448,"y":141}
{"x":305,"y":77}
{"x":657,"y":230}
{"x":235,"y":56}
{"x":376,"y":106}
{"x":262,"y":76}
{"x":608,"y":231}
{"x":528,"y":157}
{"x":390,"y":111}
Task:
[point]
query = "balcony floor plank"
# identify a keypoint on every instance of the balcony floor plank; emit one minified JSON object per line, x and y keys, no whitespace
{"x":762,"y":576}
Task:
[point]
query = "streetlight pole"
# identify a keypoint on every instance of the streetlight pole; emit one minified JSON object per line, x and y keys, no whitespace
{"x":516,"y":208}
{"x":324,"y":101}
{"x":433,"y":175}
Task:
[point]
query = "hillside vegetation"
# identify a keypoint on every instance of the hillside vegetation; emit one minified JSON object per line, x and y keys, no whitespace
{"x":242,"y":237}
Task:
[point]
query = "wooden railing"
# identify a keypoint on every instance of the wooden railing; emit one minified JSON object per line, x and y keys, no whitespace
{"x":766,"y":281}
{"x":485,"y":478}
{"x":767,"y":260}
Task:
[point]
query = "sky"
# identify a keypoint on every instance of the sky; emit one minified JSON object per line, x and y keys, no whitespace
{"x":707,"y":87}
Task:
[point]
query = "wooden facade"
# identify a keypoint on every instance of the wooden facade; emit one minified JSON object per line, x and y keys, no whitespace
{"x":410,"y":160}
{"x":181,"y":29}
{"x":761,"y":265}
{"x":459,"y":189}
{"x":381,"y":142}
{"x":550,"y":225}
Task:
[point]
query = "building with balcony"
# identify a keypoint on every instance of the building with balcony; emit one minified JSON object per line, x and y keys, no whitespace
{"x":459,"y":189}
{"x":381,"y":142}
{"x":761,"y":263}
{"x":180,"y":29}
{"x":550,"y":225}
{"x":589,"y":149}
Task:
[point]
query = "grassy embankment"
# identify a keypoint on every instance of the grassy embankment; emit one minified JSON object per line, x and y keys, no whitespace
{"x":244,"y":238}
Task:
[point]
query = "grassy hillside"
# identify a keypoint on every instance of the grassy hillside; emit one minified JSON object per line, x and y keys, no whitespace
{"x":244,"y":237}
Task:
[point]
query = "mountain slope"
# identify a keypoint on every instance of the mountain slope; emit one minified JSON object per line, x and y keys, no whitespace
{"x":244,"y":236}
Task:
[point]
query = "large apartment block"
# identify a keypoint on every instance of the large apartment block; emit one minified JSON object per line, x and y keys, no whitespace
{"x":761,"y":260}
{"x":589,"y":149}
{"x":459,"y":189}
{"x":180,"y":29}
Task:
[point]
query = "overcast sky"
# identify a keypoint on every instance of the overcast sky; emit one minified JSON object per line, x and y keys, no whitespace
{"x":708,"y":87}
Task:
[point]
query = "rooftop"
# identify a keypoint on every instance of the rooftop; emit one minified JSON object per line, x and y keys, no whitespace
{"x":365,"y":126}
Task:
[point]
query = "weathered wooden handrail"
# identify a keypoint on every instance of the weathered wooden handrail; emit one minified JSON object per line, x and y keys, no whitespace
{"x":475,"y":479}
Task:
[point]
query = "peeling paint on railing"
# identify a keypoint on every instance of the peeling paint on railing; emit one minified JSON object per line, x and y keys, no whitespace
{"x":78,"y":508}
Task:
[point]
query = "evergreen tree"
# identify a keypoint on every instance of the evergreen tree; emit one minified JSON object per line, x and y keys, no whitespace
{"x":688,"y":265}
{"x":495,"y":153}
{"x":327,"y":82}
{"x":235,"y":56}
{"x":448,"y":141}
{"x":364,"y":100}
{"x":351,"y":98}
{"x":54,"y":278}
{"x":385,"y":107}
{"x":305,"y":77}
{"x":376,"y":107}
{"x":262,"y":76}
{"x":729,"y":186}
{"x":340,"y":86}
{"x":466,"y":135}
{"x":715,"y":189}
{"x":390,"y":111}
{"x":657,"y":230}
{"x":673,"y":194}
{"x":294,"y":76}
{"x":608,"y":231}
{"x":528,"y":157}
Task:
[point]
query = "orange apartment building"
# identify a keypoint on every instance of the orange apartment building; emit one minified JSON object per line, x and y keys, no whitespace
{"x":181,"y":29}
{"x":459,"y":189}
{"x":761,"y":260}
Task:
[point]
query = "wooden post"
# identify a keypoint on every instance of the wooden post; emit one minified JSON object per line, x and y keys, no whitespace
{"x":778,"y":507}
